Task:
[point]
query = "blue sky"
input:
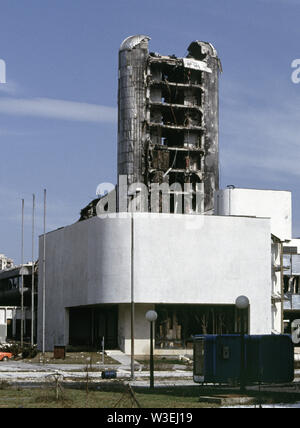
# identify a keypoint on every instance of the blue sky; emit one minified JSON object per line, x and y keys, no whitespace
{"x":58,"y":126}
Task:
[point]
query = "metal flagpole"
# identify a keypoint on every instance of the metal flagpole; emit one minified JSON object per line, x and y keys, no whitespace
{"x":44,"y":275}
{"x":22,"y":277}
{"x":132,"y":298}
{"x":32,"y":275}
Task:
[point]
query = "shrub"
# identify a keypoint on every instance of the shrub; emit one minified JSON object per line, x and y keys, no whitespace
{"x":27,"y":351}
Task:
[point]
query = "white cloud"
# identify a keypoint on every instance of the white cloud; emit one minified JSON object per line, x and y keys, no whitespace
{"x":58,"y":109}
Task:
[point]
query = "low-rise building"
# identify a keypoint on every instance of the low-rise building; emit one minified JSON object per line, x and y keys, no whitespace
{"x":291,"y":261}
{"x":5,"y":262}
{"x":11,"y":309}
{"x":189,"y":268}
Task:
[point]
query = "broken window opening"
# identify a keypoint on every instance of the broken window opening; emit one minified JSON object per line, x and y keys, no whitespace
{"x":177,"y":324}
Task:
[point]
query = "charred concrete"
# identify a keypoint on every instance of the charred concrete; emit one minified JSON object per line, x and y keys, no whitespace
{"x":168,"y":122}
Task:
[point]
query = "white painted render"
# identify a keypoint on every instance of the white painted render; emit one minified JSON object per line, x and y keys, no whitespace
{"x":186,"y":259}
{"x":275,"y":204}
{"x":142,"y":329}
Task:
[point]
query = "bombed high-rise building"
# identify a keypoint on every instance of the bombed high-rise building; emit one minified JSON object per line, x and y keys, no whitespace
{"x":168,"y":120}
{"x":105,"y":272}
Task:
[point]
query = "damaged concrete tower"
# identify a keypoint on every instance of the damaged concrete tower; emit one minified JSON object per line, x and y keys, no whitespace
{"x":168,"y":118}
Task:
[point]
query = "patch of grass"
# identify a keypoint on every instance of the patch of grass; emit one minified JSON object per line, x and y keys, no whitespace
{"x":4,"y":384}
{"x":110,"y":396}
{"x":164,"y":363}
{"x":73,"y":358}
{"x":74,"y":398}
{"x":161,"y":360}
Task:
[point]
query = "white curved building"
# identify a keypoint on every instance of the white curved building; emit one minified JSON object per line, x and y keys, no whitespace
{"x":189,"y":268}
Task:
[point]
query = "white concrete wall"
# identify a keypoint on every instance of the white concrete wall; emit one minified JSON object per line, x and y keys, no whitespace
{"x":86,"y":263}
{"x":177,"y":259}
{"x":274,"y":204}
{"x":142,"y":329}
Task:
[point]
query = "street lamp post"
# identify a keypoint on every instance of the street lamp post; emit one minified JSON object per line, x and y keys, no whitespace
{"x":151,"y":316}
{"x":242,"y":303}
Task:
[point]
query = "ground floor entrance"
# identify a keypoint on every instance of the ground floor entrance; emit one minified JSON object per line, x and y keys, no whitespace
{"x":10,"y":324}
{"x":177,"y":324}
{"x":89,"y":325}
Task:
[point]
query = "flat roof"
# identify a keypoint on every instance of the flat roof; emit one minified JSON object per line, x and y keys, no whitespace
{"x":252,"y":188}
{"x":13,"y":272}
